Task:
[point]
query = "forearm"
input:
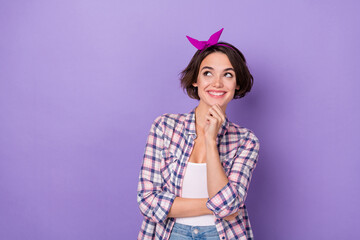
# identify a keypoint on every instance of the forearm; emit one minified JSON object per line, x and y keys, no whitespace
{"x":216,"y":177}
{"x":188,"y":207}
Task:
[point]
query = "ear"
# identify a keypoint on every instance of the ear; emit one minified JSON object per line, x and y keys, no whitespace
{"x":237,"y":87}
{"x":195,"y":84}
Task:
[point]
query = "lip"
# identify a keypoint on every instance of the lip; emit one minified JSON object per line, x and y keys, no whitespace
{"x":217,"y":91}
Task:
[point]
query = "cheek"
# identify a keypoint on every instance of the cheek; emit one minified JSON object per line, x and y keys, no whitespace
{"x":202,"y":82}
{"x":231,"y":85}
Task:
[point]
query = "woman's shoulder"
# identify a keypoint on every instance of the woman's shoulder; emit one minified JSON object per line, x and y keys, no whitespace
{"x":241,"y":132}
{"x":168,"y":121}
{"x":171,"y":117}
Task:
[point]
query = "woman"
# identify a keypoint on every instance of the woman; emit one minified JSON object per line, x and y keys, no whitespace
{"x":197,"y":166}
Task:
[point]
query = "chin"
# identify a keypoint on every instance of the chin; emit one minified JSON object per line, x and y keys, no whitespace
{"x":221,"y":103}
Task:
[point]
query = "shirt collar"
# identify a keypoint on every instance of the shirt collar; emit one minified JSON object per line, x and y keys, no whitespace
{"x":190,"y":124}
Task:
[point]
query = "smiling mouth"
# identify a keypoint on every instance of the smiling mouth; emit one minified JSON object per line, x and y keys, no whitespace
{"x":216,"y":94}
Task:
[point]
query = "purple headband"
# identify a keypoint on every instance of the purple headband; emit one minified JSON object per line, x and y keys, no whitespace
{"x":213,"y":40}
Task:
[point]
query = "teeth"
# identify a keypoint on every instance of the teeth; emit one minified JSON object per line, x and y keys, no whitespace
{"x":217,"y":93}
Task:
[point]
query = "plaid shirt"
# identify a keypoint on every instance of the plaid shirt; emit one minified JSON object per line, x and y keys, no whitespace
{"x":168,"y":148}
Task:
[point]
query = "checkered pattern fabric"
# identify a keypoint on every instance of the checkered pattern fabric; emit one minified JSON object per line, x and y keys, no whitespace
{"x":168,"y":148}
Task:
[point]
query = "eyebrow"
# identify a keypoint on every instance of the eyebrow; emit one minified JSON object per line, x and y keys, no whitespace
{"x":226,"y":69}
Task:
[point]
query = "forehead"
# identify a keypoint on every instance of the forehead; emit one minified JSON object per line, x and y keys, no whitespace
{"x":216,"y":60}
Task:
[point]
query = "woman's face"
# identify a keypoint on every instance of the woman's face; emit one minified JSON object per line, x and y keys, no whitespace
{"x":216,"y":80}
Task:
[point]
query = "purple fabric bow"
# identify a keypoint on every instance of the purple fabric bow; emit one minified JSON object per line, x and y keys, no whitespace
{"x":201,"y":45}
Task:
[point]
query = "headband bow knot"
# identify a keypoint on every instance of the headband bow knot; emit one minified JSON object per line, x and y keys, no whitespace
{"x":201,"y":45}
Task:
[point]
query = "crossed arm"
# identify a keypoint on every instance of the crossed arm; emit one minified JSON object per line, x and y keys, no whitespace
{"x":216,"y":180}
{"x":226,"y":194}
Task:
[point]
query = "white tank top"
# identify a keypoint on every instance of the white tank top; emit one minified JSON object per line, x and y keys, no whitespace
{"x":195,"y":186}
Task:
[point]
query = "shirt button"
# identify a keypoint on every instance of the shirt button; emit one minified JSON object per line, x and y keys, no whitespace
{"x":196,"y":231}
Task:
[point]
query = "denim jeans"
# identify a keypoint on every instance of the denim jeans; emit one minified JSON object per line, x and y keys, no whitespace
{"x":187,"y":232}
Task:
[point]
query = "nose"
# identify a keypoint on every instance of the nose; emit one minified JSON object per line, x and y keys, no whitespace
{"x":218,"y":82}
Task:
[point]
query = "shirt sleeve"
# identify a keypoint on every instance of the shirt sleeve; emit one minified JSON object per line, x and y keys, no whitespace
{"x":232,"y":196}
{"x":154,"y":203}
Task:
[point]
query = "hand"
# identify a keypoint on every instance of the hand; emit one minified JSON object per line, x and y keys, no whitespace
{"x":214,"y":119}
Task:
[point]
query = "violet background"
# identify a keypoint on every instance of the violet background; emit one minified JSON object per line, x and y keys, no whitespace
{"x":82,"y":81}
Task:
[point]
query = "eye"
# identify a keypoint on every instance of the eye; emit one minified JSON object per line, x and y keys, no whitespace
{"x":228,"y":75}
{"x":207,"y":73}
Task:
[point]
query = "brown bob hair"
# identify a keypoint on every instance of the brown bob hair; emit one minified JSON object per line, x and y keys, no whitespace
{"x":243,"y":77}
